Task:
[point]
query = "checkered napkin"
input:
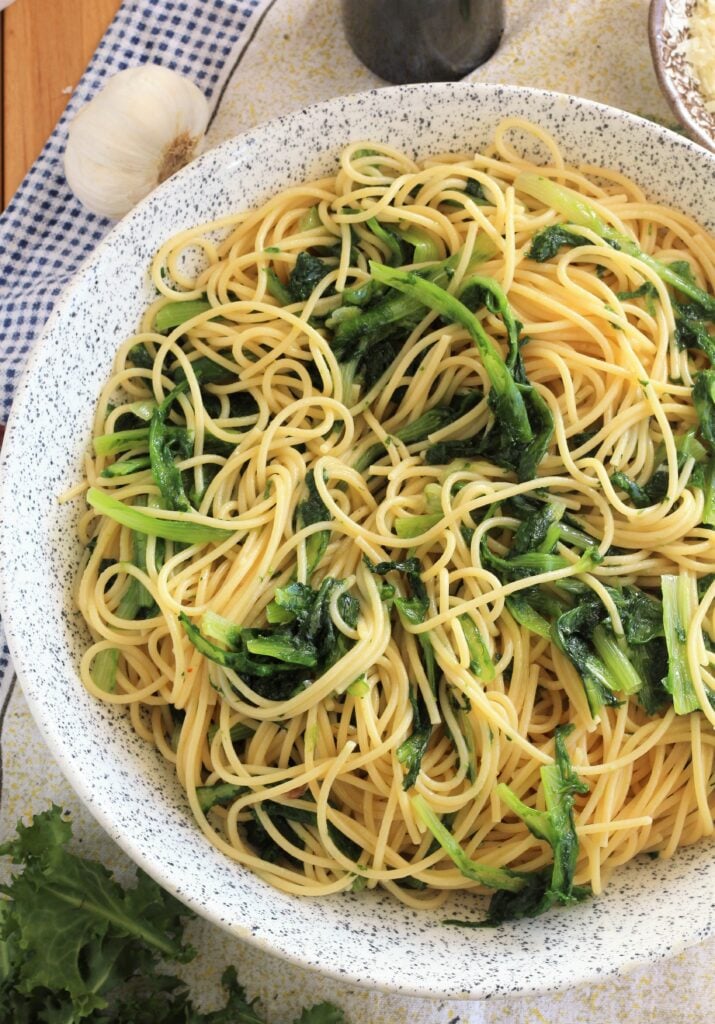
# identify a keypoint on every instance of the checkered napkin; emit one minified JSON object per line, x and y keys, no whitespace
{"x":46,"y":233}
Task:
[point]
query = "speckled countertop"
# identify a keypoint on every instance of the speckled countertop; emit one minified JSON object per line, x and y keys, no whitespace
{"x":297,"y":56}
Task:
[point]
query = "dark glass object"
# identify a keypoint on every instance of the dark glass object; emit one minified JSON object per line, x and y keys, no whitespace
{"x":423,"y":40}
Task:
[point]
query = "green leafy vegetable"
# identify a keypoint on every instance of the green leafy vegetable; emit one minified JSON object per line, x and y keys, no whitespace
{"x":646,"y":291}
{"x":367,"y":344}
{"x":219,"y":795}
{"x":180,"y":530}
{"x":475,"y":191}
{"x":276,"y":288}
{"x":539,"y":891}
{"x":176,"y":313}
{"x":391,"y":240}
{"x":124,"y":440}
{"x":306,"y":275}
{"x":547,"y":242}
{"x":280,"y":659}
{"x":413,"y":526}
{"x":704,"y":402}
{"x":572,"y":632}
{"x":653,"y":491}
{"x":436,"y":418}
{"x":126,"y":466}
{"x":555,"y":826}
{"x":310,"y":511}
{"x":504,"y":395}
{"x":691,"y":331}
{"x":412,"y":750}
{"x":224,"y":793}
{"x":425,"y":248}
{"x":135,"y":598}
{"x":164,"y":470}
{"x":523,"y":424}
{"x":493,"y":878}
{"x":522,"y":608}
{"x":582,"y":214}
{"x":480,"y":661}
{"x":678,"y":612}
{"x":207,"y":371}
{"x":413,"y":607}
{"x":271,"y":659}
{"x":477,"y":291}
{"x":77,"y":947}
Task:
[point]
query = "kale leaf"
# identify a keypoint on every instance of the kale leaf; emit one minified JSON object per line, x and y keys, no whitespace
{"x":77,"y":947}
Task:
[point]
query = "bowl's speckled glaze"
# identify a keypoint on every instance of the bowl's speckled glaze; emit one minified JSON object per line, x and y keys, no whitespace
{"x":651,"y":909}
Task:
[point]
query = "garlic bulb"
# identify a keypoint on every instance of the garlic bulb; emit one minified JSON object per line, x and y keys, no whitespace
{"x":144,"y":125}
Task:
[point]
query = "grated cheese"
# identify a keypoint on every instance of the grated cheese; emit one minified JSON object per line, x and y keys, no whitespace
{"x":701,"y":49}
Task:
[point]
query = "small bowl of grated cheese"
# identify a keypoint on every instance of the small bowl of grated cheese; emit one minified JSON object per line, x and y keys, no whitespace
{"x":682,"y":42}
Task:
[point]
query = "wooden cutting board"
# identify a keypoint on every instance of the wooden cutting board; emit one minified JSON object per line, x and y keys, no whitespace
{"x":46,"y":45}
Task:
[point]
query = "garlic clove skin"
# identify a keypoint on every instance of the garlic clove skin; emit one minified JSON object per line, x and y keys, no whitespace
{"x":144,"y":125}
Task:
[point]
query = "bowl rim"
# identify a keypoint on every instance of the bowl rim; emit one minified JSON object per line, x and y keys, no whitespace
{"x":103,"y":813}
{"x":656,"y":18}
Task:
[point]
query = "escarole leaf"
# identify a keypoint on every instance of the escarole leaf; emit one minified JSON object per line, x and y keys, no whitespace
{"x":480,"y":291}
{"x":538,"y":891}
{"x":306,"y":275}
{"x":691,"y":329}
{"x":634,"y":663}
{"x":413,"y":607}
{"x":390,"y":240}
{"x":504,"y":391}
{"x":181,"y":530}
{"x":164,"y":470}
{"x":480,"y":661}
{"x":547,"y":242}
{"x":485,"y":874}
{"x":134,"y":599}
{"x":125,"y":467}
{"x":310,"y":511}
{"x":436,"y":418}
{"x":426,"y":249}
{"x":678,"y":611}
{"x":557,"y":827}
{"x":124,"y":440}
{"x":571,"y":633}
{"x":175,"y":313}
{"x":412,"y":750}
{"x":219,"y":795}
{"x":523,"y":423}
{"x":275,"y":652}
{"x":704,"y":402}
{"x":366,"y":341}
{"x":579,"y":212}
{"x":300,"y":642}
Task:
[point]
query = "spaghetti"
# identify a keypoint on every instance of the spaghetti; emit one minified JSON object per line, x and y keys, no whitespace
{"x":404,"y":472}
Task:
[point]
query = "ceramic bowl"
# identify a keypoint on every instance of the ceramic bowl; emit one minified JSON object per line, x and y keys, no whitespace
{"x":669,"y":32}
{"x":651,"y":908}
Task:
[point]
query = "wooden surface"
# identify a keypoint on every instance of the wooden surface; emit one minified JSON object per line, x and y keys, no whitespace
{"x":46,"y":45}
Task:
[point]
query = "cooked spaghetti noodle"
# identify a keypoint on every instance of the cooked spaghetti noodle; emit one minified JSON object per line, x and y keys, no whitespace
{"x":350,"y":565}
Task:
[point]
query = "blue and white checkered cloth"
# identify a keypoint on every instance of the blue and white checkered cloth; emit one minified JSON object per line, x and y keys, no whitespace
{"x":46,"y":233}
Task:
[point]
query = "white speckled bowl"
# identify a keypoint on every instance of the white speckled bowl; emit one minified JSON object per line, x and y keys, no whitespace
{"x":650,"y":910}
